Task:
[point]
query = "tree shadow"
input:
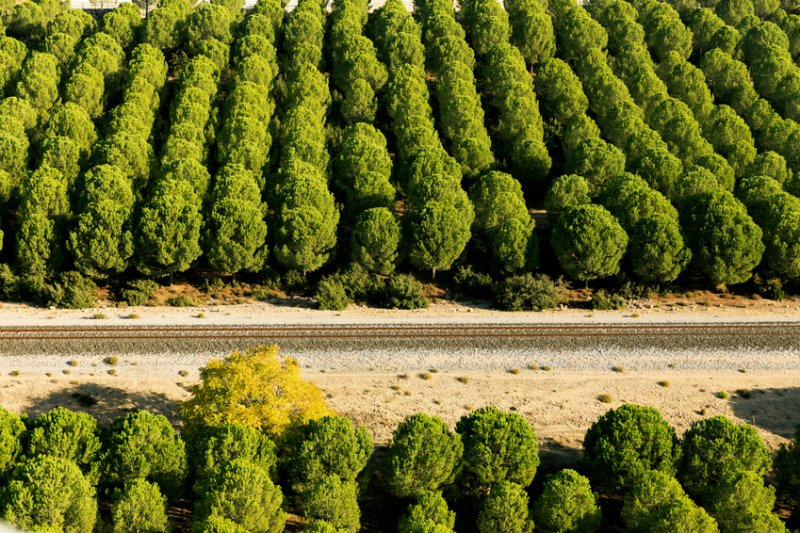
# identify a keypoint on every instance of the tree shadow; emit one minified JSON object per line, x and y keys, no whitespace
{"x":104,"y":402}
{"x":774,"y":410}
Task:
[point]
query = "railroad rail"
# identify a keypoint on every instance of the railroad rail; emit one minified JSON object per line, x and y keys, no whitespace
{"x":771,"y":336}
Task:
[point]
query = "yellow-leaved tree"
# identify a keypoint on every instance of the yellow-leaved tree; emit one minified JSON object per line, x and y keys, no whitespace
{"x":256,"y":388}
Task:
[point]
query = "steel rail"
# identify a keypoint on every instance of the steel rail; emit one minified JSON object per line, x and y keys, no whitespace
{"x":382,"y":328}
{"x":373,"y":332}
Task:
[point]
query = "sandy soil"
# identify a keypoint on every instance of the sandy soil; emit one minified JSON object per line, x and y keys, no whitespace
{"x":560,"y":404}
{"x":701,"y":306}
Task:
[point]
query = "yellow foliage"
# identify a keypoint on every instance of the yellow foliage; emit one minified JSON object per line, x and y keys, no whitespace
{"x":256,"y":388}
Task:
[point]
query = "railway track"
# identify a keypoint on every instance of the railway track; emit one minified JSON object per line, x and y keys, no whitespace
{"x":769,"y":336}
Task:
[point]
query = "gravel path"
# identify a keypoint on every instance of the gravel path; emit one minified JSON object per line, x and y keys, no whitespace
{"x":488,"y":346}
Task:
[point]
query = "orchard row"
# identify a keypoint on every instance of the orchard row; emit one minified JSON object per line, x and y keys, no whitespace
{"x":660,"y":138}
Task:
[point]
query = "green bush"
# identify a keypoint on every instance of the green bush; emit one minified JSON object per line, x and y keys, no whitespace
{"x":402,"y":292}
{"x":526,"y":293}
{"x":359,"y":284}
{"x":498,"y":446}
{"x":320,"y":526}
{"x":787,"y":464}
{"x":212,"y":448}
{"x":428,"y":513}
{"x":68,"y":435}
{"x":138,"y":291}
{"x":627,"y":441}
{"x":471,"y":284}
{"x":567,"y":505}
{"x":141,"y":507}
{"x":334,"y":501}
{"x":183,"y":300}
{"x":328,"y":446}
{"x":144,"y":445}
{"x":424,"y":455}
{"x":505,"y":510}
{"x":331,"y":294}
{"x":72,"y":291}
{"x":603,"y":300}
{"x":49,"y":494}
{"x":742,"y":502}
{"x":656,"y":503}
{"x":217,"y":524}
{"x":715,"y":449}
{"x":244,"y":494}
{"x":9,"y":284}
{"x":293,"y":282}
{"x":11,"y":430}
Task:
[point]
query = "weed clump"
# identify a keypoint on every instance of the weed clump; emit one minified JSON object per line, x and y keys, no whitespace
{"x":527,"y":293}
{"x":603,"y":300}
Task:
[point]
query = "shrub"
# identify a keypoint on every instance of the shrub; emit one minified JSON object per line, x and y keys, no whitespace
{"x":567,"y":504}
{"x":714,"y":449}
{"x":605,"y":301}
{"x":741,"y":502}
{"x":334,"y":501}
{"x":656,"y":502}
{"x":787,"y":466}
{"x":138,"y":291}
{"x":424,"y":455}
{"x":256,"y":389}
{"x":49,"y":494}
{"x":428,"y":513}
{"x":359,"y":284}
{"x":498,"y":447}
{"x":144,"y":445}
{"x":471,"y":284}
{"x":9,"y":284}
{"x":212,"y":448}
{"x":331,"y":294}
{"x":72,"y":291}
{"x":527,"y":293}
{"x":68,"y":435}
{"x":328,"y":446}
{"x":11,"y":430}
{"x":505,"y":510}
{"x":626,"y":441}
{"x":403,"y":292}
{"x":141,"y":507}
{"x":218,"y":524}
{"x":183,"y":300}
{"x":320,"y":526}
{"x":244,"y":494}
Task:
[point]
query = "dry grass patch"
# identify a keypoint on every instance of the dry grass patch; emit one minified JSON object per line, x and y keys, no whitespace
{"x":664,"y":383}
{"x":514,"y":371}
{"x":111,"y":360}
{"x":183,"y":373}
{"x":605,"y":398}
{"x":14,"y":373}
{"x":72,"y":362}
{"x":426,"y":376}
{"x":619,"y":369}
{"x":463,"y":379}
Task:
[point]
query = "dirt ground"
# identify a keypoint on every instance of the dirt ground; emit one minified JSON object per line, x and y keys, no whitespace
{"x":560,"y":404}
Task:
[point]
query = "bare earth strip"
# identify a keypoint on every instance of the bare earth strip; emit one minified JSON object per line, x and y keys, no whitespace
{"x":378,"y":388}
